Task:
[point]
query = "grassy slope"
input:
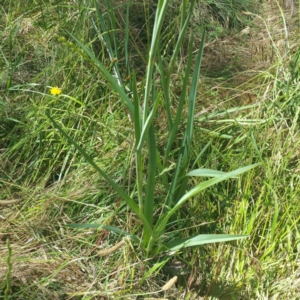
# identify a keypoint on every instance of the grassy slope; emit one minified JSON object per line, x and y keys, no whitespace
{"x":54,"y":186}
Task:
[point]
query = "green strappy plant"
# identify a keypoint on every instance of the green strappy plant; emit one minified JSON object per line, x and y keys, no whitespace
{"x":143,"y":107}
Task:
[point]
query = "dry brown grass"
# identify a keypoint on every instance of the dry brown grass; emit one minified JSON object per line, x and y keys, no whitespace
{"x":272,"y":35}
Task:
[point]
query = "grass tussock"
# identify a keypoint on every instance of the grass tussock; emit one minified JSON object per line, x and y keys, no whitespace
{"x":246,"y":111}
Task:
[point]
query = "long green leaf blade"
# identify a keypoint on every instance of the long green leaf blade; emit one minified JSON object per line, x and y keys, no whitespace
{"x":202,"y":239}
{"x":193,"y":91}
{"x":137,"y":113}
{"x":159,"y":18}
{"x":162,"y":223}
{"x":184,"y":25}
{"x":111,"y":80}
{"x":177,"y":119}
{"x":207,"y":173}
{"x":109,"y":228}
{"x":148,"y":123}
{"x":122,"y":194}
{"x":150,"y":188}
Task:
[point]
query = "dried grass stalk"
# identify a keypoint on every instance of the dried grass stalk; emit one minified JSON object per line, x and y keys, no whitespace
{"x":114,"y":248}
{"x":169,"y":284}
{"x":155,"y":299}
{"x":8,"y":202}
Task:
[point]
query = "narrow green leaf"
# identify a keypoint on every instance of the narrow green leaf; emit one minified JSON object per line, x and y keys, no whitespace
{"x":148,"y":123}
{"x":159,"y":18}
{"x":126,"y":43}
{"x":116,"y":230}
{"x":163,"y":173}
{"x":157,"y":266}
{"x":165,"y":70}
{"x":137,"y":113}
{"x":111,"y":80}
{"x":177,"y":119}
{"x":275,"y":218}
{"x":150,"y":187}
{"x":202,"y":239}
{"x":218,"y":114}
{"x":104,"y":34}
{"x":179,"y":165}
{"x":185,"y":19}
{"x":203,"y":150}
{"x":206,"y":173}
{"x":193,"y":92}
{"x":216,"y":134}
{"x":211,"y":182}
{"x":121,"y":193}
{"x":165,"y":84}
{"x":162,"y":223}
{"x":151,"y":172}
{"x":186,"y":143}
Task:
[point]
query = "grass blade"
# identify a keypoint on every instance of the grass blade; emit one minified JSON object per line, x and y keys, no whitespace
{"x":121,"y":193}
{"x":104,"y":35}
{"x":137,"y":112}
{"x":184,"y":25}
{"x":155,"y":268}
{"x":185,"y":148}
{"x":148,"y":123}
{"x":165,"y":84}
{"x":111,"y":80}
{"x":202,"y":239}
{"x":175,"y":129}
{"x":206,"y":173}
{"x":159,"y":18}
{"x":193,"y":92}
{"x":127,"y":61}
{"x":162,"y":223}
{"x":190,"y":121}
{"x":150,"y":188}
{"x":109,"y":228}
{"x":275,"y":218}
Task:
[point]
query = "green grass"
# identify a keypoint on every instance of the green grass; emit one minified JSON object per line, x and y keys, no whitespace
{"x":53,"y":146}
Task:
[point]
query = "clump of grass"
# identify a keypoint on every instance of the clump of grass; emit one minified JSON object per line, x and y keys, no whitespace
{"x":144,"y":130}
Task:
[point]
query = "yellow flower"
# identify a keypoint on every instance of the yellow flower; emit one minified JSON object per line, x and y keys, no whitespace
{"x":55,"y":91}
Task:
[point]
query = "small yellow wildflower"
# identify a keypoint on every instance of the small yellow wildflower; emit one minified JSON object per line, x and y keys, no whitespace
{"x":55,"y":91}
